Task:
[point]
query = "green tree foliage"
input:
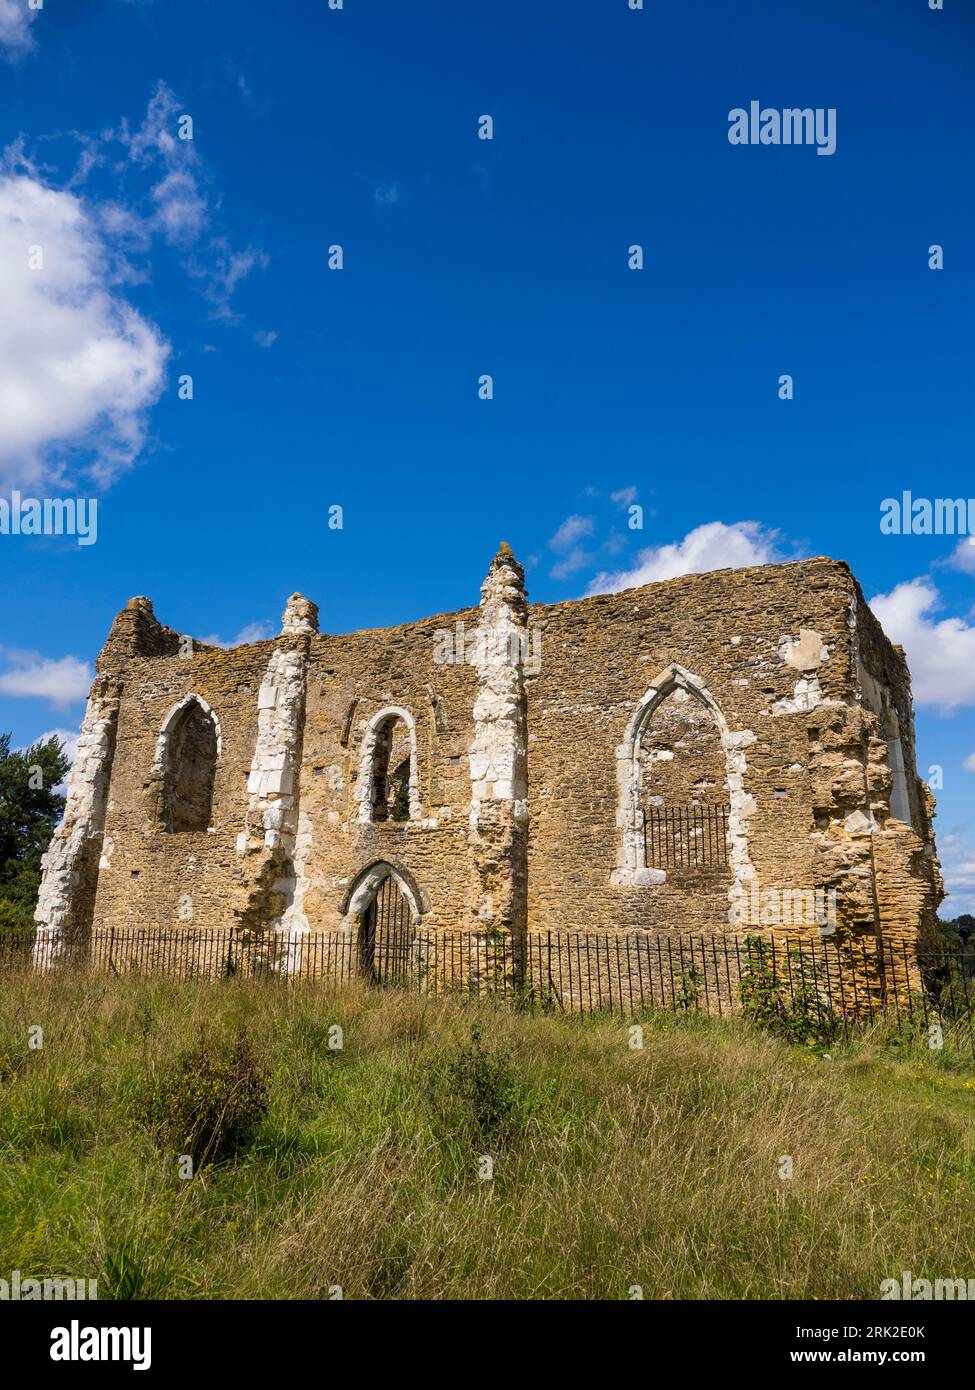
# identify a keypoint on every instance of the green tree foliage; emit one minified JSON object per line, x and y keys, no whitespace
{"x":956,"y":932}
{"x":30,"y":808}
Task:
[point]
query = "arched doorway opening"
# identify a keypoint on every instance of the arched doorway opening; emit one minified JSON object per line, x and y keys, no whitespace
{"x":384,"y":910}
{"x":387,"y":936}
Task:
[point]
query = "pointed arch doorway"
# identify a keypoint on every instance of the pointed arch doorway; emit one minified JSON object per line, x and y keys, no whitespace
{"x":386,"y":909}
{"x":387,"y":936}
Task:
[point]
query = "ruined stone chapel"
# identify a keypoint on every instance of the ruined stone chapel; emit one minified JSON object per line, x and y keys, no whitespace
{"x":653,"y":760}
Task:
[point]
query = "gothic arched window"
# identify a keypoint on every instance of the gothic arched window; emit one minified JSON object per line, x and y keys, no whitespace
{"x":188,"y":752}
{"x":388,"y":783}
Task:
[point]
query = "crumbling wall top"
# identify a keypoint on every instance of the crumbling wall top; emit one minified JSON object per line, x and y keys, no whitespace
{"x":300,"y":616}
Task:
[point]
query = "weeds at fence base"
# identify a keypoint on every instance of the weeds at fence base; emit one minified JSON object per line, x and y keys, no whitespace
{"x":780,"y":994}
{"x":807,"y":991}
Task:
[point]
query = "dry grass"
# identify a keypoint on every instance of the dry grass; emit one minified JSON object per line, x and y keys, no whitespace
{"x":613,"y":1167}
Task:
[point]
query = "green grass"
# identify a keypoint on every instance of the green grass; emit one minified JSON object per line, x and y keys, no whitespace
{"x":612,"y":1167}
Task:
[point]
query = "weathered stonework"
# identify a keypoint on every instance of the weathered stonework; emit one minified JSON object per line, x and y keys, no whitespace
{"x":498,"y":817}
{"x":498,"y":752}
{"x":75,"y":854}
{"x":508,"y":795}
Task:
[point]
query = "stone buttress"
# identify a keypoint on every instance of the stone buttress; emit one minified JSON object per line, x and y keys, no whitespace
{"x":269,"y":886}
{"x":498,"y":755}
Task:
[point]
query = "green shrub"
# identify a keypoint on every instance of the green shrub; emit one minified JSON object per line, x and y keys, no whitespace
{"x":782,"y":996}
{"x":475,"y":1092}
{"x":211,"y":1101}
{"x":687,"y":993}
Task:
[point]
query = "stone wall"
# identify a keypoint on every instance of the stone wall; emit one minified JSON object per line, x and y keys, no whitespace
{"x":150,"y":878}
{"x":536,"y":739}
{"x":765,"y":653}
{"x":354,"y":682}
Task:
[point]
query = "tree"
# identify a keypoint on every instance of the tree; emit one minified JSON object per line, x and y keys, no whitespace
{"x":30,"y":809}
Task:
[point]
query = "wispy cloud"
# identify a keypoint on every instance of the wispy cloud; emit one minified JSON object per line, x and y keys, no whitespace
{"x":571,"y":563}
{"x":79,"y":365}
{"x":572,"y":556}
{"x":963,"y":556}
{"x":222,"y":272}
{"x":258,"y":631}
{"x":16,"y":36}
{"x":624,"y":496}
{"x":184,"y":204}
{"x":572,"y":529}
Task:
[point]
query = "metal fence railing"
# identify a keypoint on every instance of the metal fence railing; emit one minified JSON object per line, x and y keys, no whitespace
{"x":827,"y":983}
{"x":686,"y":837}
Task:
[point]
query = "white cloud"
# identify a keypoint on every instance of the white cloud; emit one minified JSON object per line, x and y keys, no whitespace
{"x":251,"y":632}
{"x":963,"y":556}
{"x":222,"y":273}
{"x":940,"y":652}
{"x":79,"y":366}
{"x":15,"y":28}
{"x":62,"y":682}
{"x":572,"y":556}
{"x":181,"y":206}
{"x":158,"y":135}
{"x":713,"y":546}
{"x":624,"y":496}
{"x":969,"y":763}
{"x":572,"y":529}
{"x":182,"y":212}
{"x":570,"y":563}
{"x":957,"y":855}
{"x":165,"y":190}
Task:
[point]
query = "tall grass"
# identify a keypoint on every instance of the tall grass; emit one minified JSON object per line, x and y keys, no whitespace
{"x":364,"y":1169}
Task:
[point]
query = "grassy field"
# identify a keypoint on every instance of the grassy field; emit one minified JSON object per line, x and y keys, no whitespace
{"x":363,"y":1167}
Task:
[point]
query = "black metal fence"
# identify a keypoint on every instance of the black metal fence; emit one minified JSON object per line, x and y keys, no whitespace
{"x":686,"y":837}
{"x":798,"y":987}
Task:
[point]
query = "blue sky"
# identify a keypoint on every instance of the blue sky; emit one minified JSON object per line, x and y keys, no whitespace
{"x":358,"y":388}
